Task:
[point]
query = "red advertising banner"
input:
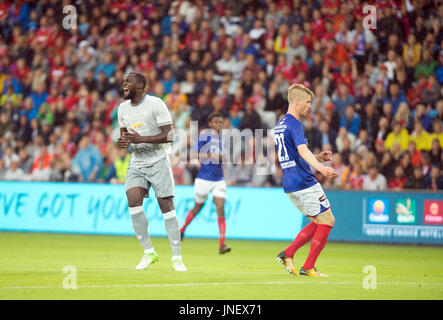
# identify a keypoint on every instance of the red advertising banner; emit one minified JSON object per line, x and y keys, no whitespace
{"x":433,"y":212}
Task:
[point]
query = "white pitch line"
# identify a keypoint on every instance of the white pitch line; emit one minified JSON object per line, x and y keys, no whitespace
{"x":82,"y":270}
{"x":153,"y":285}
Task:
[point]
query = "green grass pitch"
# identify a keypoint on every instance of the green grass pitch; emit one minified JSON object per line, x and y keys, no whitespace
{"x":31,"y":267}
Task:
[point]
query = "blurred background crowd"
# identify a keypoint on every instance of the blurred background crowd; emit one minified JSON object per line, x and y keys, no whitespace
{"x":378,"y":105}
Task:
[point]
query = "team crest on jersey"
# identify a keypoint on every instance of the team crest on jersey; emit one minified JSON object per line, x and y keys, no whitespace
{"x":137,"y":125}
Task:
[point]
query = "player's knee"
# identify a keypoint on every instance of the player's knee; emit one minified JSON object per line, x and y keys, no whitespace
{"x":135,"y":197}
{"x":325,"y":218}
{"x":330,"y":219}
{"x":200,"y":198}
{"x":134,"y":202}
{"x":166,"y":204}
{"x":220,"y":211}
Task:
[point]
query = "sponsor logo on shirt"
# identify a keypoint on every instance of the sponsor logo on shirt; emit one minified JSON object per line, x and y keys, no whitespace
{"x":137,"y":125}
{"x":288,"y":164}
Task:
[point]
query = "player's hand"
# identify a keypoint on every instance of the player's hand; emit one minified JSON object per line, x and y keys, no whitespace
{"x":324,"y":156}
{"x":134,"y":137}
{"x":123,"y":141}
{"x":328,"y":172}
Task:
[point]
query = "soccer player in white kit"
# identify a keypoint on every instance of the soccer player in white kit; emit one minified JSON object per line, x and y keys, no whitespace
{"x":146,"y":124}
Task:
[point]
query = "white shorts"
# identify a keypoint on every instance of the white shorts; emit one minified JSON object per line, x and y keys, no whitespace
{"x":310,"y":201}
{"x":158,"y":175}
{"x":203,"y":187}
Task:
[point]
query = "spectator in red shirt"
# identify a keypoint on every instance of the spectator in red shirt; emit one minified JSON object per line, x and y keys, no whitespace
{"x":415,"y":153}
{"x":330,"y":7}
{"x":335,"y":54}
{"x":114,"y":37}
{"x":308,"y":38}
{"x":54,"y":95}
{"x":69,"y":147}
{"x":318,"y":24}
{"x":43,"y":34}
{"x":398,"y":181}
{"x":145,"y":63}
{"x":299,"y":65}
{"x":71,"y":99}
{"x":284,"y":67}
{"x":44,"y":155}
{"x":341,"y":16}
{"x":192,"y":34}
{"x":4,"y":10}
{"x":22,"y":70}
{"x":356,"y":177}
{"x":329,"y":32}
{"x":348,"y":75}
{"x":58,"y":70}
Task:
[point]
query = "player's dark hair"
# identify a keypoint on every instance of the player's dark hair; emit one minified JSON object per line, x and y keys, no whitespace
{"x":140,"y":79}
{"x":214,"y":115}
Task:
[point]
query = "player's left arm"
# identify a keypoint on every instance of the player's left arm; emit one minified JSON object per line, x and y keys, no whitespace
{"x":165,"y":136}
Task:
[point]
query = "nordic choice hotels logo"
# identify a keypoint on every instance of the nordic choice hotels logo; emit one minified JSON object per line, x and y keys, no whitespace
{"x":406,"y":210}
{"x":378,"y":210}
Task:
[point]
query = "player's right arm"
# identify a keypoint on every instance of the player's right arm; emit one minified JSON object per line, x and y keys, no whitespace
{"x":298,"y":136}
{"x":123,"y":141}
{"x":309,"y":157}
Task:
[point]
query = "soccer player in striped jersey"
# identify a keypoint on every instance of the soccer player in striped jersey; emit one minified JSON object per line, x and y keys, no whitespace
{"x":210,"y":177}
{"x":300,"y":184}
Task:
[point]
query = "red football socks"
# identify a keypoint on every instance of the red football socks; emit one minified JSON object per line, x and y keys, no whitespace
{"x":302,"y":238}
{"x":317,"y":244}
{"x":188,"y":220}
{"x":222,"y":227}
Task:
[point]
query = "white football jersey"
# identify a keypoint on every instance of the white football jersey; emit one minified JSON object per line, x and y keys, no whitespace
{"x":145,"y":118}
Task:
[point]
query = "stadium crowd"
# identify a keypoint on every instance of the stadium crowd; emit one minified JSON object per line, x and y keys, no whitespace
{"x":378,"y":104}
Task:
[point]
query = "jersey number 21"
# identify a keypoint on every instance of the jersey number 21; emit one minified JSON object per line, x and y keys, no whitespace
{"x":280,"y":142}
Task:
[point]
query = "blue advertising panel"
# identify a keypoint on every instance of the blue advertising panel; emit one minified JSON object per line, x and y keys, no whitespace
{"x":102,"y":208}
{"x":390,"y":217}
{"x":251,"y":213}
